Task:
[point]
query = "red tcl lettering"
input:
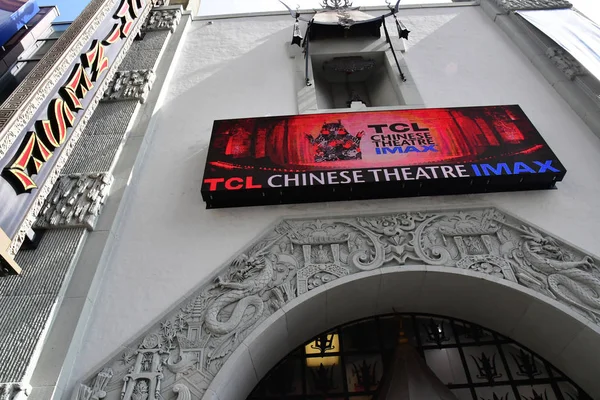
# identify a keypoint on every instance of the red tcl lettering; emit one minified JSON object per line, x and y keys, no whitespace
{"x":235,"y":183}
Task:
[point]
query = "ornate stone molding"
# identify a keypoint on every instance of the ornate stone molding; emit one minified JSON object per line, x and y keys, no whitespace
{"x":130,"y":85}
{"x":299,"y":255}
{"x":514,"y":5}
{"x":565,"y":62}
{"x":184,"y":392}
{"x":161,"y":3}
{"x":14,"y":391}
{"x":96,"y":390}
{"x":23,"y":103}
{"x":163,"y":19}
{"x":75,"y":201}
{"x":45,"y":189}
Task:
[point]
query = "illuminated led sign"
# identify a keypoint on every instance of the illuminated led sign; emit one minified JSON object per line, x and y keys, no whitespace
{"x":365,"y":155}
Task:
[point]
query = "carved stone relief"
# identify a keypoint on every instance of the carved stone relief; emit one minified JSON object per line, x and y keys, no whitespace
{"x":162,"y":19}
{"x":96,"y":390}
{"x":298,"y":255}
{"x":565,"y":62}
{"x":130,"y":85}
{"x":75,"y":201}
{"x":514,"y":5}
{"x":14,"y":391}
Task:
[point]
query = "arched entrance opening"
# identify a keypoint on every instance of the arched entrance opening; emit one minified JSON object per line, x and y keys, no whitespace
{"x":518,"y":315}
{"x":414,"y":356}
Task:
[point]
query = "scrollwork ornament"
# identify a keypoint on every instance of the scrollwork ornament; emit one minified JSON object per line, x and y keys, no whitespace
{"x":183,"y":393}
{"x":369,"y":258}
{"x":431,"y":254}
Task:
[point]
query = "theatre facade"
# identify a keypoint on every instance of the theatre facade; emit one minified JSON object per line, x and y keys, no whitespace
{"x":339,"y":203}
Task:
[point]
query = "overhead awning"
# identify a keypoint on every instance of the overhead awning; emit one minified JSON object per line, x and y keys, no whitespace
{"x":344,"y":23}
{"x":575,"y":33}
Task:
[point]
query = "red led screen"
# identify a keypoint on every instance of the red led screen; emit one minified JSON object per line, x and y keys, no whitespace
{"x":376,"y":154}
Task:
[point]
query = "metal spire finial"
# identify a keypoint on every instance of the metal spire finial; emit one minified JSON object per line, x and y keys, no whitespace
{"x":336,"y":4}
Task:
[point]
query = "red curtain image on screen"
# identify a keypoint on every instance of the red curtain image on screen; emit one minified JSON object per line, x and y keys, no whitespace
{"x":374,"y":139}
{"x":478,"y":141}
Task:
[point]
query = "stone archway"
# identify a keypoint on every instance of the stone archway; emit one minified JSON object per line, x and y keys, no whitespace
{"x":305,"y":276}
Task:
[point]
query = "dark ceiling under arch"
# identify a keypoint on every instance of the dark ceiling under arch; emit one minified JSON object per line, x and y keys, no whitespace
{"x":353,"y":361}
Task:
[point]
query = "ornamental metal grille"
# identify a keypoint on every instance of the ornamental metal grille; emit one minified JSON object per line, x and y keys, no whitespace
{"x":475,"y":363}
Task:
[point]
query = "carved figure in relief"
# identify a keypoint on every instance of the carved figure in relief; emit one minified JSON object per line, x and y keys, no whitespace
{"x":321,"y":255}
{"x":255,"y":277}
{"x":576,"y":282}
{"x":147,"y":362}
{"x":141,"y":390}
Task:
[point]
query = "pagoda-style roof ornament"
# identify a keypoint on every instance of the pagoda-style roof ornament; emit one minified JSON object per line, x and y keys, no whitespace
{"x":339,"y":19}
{"x":342,"y":6}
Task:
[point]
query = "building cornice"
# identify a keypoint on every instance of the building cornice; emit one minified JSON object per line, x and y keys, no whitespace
{"x":310,"y":10}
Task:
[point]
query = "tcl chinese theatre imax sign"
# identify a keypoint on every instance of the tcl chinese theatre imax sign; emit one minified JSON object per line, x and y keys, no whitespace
{"x":366,"y":155}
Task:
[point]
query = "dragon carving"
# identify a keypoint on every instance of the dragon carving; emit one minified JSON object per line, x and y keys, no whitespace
{"x":245,"y":293}
{"x":575,"y":282}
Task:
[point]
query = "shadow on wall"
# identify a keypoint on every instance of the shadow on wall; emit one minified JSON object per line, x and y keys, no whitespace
{"x":231,"y":62}
{"x":464,"y":50}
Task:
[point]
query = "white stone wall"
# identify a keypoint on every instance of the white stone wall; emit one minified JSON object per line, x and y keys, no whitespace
{"x":167,"y":242}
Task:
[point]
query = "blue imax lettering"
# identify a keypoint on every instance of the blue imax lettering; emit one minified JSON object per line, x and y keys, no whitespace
{"x":402,"y":150}
{"x":535,"y":167}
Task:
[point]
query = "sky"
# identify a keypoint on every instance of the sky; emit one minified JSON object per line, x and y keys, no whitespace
{"x":69,"y":9}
